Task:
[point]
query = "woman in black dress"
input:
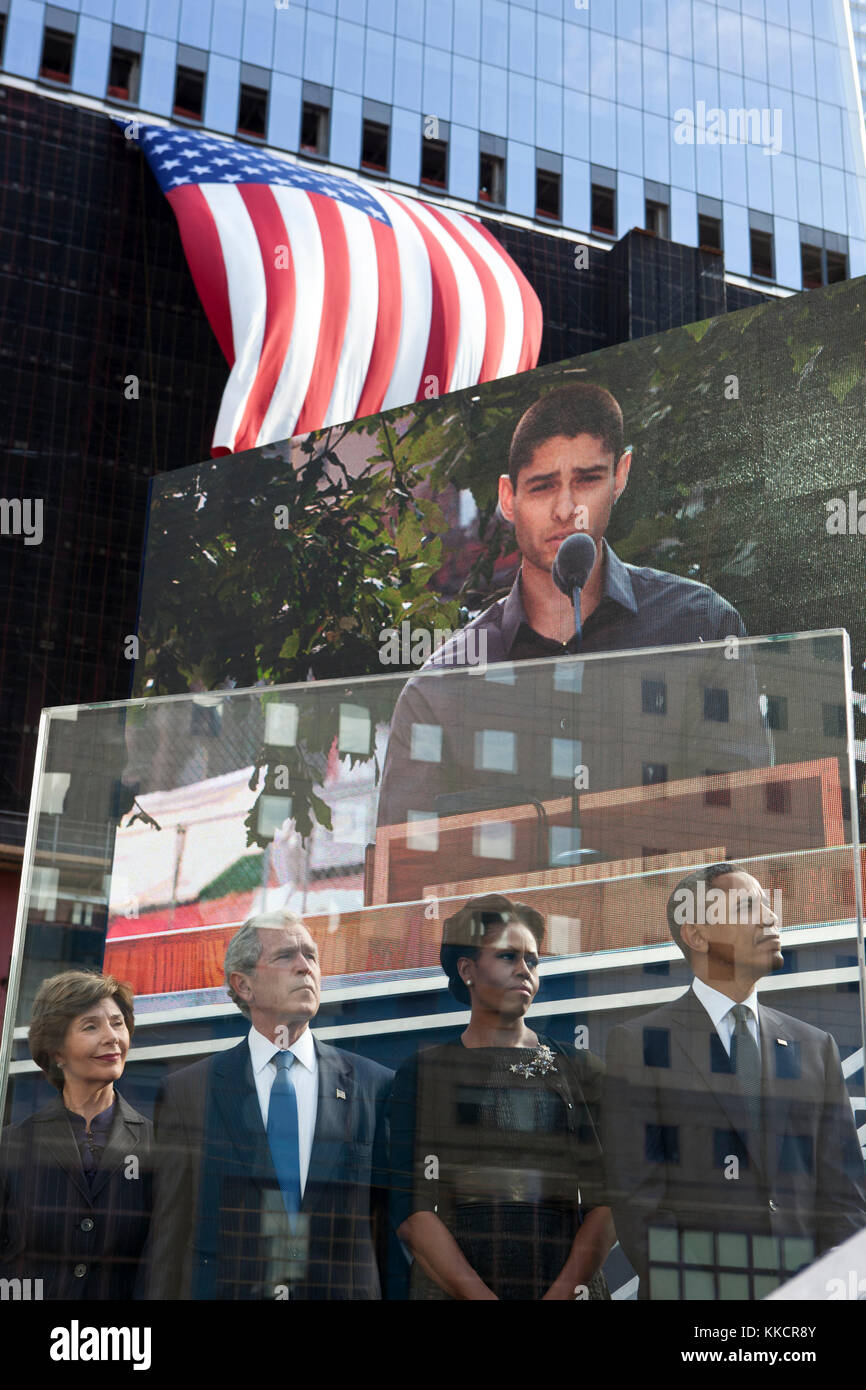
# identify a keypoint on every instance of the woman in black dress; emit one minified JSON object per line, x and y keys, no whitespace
{"x":76,"y":1177}
{"x":495,"y":1151}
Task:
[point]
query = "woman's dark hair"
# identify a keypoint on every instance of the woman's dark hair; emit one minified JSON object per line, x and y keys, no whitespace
{"x":59,"y":1000}
{"x":477,"y":924}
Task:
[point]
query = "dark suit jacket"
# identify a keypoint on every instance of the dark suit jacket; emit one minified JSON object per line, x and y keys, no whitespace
{"x":81,"y":1242}
{"x":220,"y":1229}
{"x":674,"y":1118}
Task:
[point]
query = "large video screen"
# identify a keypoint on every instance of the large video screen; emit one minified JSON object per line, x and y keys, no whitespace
{"x":745,"y":471}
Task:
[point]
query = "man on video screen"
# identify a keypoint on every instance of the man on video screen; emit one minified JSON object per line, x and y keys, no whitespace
{"x":567,"y":467}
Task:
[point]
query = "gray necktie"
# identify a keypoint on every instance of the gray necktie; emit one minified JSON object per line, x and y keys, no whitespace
{"x":746,"y":1059}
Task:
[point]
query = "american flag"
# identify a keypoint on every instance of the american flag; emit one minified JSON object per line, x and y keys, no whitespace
{"x":333,"y":299}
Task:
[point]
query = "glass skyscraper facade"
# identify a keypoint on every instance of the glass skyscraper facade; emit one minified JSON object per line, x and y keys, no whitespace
{"x":858,"y":36}
{"x":733,"y":124}
{"x":730,"y":124}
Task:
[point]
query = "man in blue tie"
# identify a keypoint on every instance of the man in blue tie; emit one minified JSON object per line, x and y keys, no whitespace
{"x":730,"y":1147}
{"x":272,"y":1168}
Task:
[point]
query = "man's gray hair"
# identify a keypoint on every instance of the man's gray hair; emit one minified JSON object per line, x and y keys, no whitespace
{"x":245,"y":948}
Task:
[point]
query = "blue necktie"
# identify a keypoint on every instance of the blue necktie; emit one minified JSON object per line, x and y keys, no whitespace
{"x":283,"y":1134}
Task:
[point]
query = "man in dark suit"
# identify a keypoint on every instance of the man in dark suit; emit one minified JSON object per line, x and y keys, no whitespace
{"x":731,"y":1152}
{"x":272,"y":1167}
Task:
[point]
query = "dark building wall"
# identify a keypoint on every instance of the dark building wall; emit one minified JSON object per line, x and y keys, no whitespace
{"x":94,"y":289}
{"x":643,"y":285}
{"x":659,"y":284}
{"x":739,"y":297}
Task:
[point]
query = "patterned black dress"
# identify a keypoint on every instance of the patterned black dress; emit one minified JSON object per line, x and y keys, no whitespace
{"x":502,"y":1145}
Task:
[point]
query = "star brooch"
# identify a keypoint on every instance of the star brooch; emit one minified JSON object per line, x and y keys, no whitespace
{"x":539,"y":1064}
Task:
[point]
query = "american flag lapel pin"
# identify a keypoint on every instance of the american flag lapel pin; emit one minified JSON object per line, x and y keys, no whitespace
{"x":341,"y":1095}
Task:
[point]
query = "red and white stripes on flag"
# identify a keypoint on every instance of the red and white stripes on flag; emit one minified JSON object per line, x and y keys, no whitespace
{"x":333,"y":299}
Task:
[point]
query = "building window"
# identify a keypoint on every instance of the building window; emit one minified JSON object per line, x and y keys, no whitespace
{"x":548,"y":190}
{"x":777,"y":712}
{"x":653,"y":697}
{"x":491,"y":179}
{"x":810,"y":263}
{"x":715,"y":705}
{"x":603,"y":210}
{"x":834,"y":721}
{"x":778,"y":798}
{"x":374,"y":146}
{"x":434,"y":162}
{"x":56,"y":65}
{"x":761,"y":244}
{"x":315,"y":124}
{"x":709,"y":233}
{"x":821,"y":267}
{"x":253,"y":111}
{"x":657,"y":219}
{"x":716,"y":796}
{"x":652,"y":773}
{"x":189,"y":93}
{"x":123,"y":73}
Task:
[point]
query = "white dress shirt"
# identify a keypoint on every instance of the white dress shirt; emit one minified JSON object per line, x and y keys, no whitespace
{"x":719,"y":1007}
{"x":305,"y":1079}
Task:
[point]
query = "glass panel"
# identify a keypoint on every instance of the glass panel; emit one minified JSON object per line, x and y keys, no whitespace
{"x":698,"y":1284}
{"x":664,"y":1284}
{"x":733,"y":1250}
{"x":698,"y":1247}
{"x":494,"y":99}
{"x":494,"y":32}
{"x":378,"y":65}
{"x":663,"y":1245}
{"x":797,"y":1251}
{"x":353,"y":825}
{"x":655,"y":82}
{"x":733,"y":1286}
{"x":764,"y":1284}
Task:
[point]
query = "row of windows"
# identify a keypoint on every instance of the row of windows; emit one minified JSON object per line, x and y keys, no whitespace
{"x":498,"y":839}
{"x":495,"y":750}
{"x":654,"y":700}
{"x":635,"y":63}
{"x":820,"y":264}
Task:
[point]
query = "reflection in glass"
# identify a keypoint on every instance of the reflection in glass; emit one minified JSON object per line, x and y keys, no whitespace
{"x":586,"y":785}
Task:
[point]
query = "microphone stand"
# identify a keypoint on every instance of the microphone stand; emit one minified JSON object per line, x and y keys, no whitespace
{"x":575,"y":598}
{"x":570,"y":571}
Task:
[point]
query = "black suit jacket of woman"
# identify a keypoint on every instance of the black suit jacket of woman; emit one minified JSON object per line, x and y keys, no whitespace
{"x":82,"y":1242}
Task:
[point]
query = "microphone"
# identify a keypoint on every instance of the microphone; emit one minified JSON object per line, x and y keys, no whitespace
{"x":571,"y":569}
